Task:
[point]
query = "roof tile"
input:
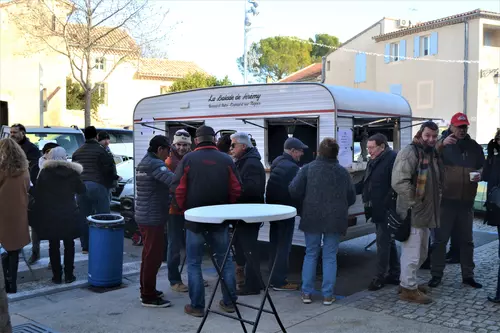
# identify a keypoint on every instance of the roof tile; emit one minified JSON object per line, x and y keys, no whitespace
{"x":164,"y":68}
{"x":305,"y":74}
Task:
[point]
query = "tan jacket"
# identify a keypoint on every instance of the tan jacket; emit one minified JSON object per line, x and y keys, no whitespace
{"x":14,"y":230}
{"x":425,"y":212}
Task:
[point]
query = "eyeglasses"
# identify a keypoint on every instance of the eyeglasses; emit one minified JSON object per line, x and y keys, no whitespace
{"x":233,"y":145}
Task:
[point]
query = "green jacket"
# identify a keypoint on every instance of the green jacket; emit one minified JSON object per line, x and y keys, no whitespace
{"x":425,"y":212}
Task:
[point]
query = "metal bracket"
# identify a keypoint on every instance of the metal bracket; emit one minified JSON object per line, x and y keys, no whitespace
{"x":249,"y":122}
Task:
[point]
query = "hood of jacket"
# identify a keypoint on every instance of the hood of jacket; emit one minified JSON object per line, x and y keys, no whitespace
{"x":250,"y":153}
{"x":63,"y":169}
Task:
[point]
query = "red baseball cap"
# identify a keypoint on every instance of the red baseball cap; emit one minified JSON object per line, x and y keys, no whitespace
{"x":459,"y":119}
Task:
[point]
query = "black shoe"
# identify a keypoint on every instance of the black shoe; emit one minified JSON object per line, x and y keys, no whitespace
{"x":376,"y":284}
{"x":57,"y":279}
{"x":471,"y":282}
{"x":69,"y":278}
{"x":394,"y":280}
{"x":247,"y":292}
{"x":495,"y":299}
{"x":434,"y":282}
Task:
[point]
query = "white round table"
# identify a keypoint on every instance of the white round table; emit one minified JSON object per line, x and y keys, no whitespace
{"x":248,"y":213}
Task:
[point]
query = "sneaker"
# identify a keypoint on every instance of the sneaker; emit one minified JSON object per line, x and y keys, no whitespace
{"x":227,"y":308}
{"x":376,"y":284}
{"x":306,"y":298}
{"x":287,"y":287}
{"x":157,"y":303}
{"x":434,"y":282}
{"x":188,"y":309}
{"x":57,"y":280}
{"x":328,"y":300}
{"x":179,"y":287}
{"x":414,"y":296}
{"x":471,"y":282}
{"x":159,"y":294}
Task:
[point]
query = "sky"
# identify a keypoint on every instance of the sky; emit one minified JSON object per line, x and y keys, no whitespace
{"x":210,"y":33}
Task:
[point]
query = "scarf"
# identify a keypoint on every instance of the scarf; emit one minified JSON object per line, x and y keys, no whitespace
{"x":422,"y":167}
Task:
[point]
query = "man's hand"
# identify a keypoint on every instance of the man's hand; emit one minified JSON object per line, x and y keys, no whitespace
{"x":477,"y":178}
{"x":450,"y":140}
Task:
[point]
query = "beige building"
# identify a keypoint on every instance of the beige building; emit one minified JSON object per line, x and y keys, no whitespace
{"x":428,"y":64}
{"x":27,"y":69}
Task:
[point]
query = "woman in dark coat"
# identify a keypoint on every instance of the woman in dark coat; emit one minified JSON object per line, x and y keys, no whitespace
{"x":491,"y":174}
{"x":56,"y":210}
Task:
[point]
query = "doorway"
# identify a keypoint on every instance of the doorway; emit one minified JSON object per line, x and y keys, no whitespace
{"x":4,"y":113}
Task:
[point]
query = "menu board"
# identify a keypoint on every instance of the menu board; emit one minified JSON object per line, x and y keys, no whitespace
{"x":345,"y":142}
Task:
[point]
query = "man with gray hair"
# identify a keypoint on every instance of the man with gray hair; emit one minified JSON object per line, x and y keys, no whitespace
{"x":253,"y":180}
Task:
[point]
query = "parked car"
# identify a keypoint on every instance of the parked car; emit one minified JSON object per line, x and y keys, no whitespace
{"x":67,"y":137}
{"x":121,"y":141}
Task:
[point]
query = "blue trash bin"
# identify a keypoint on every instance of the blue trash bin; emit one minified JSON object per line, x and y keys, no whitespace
{"x":106,"y":236}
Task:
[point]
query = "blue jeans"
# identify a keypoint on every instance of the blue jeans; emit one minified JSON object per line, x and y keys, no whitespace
{"x":175,"y":235}
{"x":280,"y":240}
{"x":330,"y":249}
{"x":95,"y":201}
{"x":218,"y":242}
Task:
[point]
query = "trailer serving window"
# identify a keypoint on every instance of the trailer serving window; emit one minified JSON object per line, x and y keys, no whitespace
{"x":189,"y":126}
{"x":280,"y":129}
{"x":366,"y":127}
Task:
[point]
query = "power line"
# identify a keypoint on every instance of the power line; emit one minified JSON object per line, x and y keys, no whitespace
{"x":344,"y":49}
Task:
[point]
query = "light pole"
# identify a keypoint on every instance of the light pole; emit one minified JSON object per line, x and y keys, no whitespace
{"x":252,"y":10}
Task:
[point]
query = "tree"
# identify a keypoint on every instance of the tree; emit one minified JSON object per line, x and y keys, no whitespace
{"x":75,"y":97}
{"x":277,"y":57}
{"x":86,"y":30}
{"x":317,"y":51}
{"x":198,"y":80}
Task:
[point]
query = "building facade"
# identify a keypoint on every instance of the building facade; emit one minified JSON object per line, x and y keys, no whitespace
{"x":441,"y":67}
{"x":34,"y":73}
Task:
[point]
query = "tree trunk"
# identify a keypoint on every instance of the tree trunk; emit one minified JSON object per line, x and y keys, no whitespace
{"x":88,"y":105}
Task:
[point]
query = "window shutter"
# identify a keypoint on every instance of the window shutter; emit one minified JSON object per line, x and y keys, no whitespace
{"x":356,"y":68}
{"x":434,"y":43}
{"x":416,"y":46}
{"x":387,"y":53}
{"x":396,"y":89}
{"x":487,"y":38}
{"x":362,"y":67}
{"x":402,"y":50}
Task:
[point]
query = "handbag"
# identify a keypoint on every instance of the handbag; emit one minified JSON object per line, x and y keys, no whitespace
{"x":399,"y":228}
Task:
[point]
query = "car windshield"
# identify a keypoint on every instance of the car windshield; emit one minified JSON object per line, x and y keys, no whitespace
{"x":69,"y":141}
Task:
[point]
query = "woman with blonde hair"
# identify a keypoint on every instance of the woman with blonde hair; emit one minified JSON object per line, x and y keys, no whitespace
{"x":14,"y":186}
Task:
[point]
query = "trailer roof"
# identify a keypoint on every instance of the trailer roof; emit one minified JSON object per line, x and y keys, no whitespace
{"x":277,"y":99}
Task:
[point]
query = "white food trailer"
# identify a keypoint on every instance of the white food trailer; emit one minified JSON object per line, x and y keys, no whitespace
{"x":270,"y":113}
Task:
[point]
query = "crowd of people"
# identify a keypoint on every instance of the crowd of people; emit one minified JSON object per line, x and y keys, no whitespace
{"x":434,"y":180}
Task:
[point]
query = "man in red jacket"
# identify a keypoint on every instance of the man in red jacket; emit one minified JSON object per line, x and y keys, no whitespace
{"x":206,"y":177}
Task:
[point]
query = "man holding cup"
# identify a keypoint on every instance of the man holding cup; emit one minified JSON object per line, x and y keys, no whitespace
{"x":462,"y":158}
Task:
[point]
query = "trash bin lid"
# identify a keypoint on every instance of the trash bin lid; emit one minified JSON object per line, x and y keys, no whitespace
{"x":106,"y":220}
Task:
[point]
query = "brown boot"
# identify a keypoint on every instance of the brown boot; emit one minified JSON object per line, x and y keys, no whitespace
{"x":240,"y":275}
{"x":421,"y":287}
{"x":414,"y":296}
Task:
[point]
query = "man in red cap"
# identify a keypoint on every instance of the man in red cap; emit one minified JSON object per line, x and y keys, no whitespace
{"x":462,"y":158}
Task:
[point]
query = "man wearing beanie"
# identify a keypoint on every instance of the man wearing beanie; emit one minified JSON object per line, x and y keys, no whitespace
{"x":175,"y":225}
{"x":206,"y":177}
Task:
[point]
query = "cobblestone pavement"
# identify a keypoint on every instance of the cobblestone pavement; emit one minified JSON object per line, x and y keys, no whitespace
{"x":455,"y":305}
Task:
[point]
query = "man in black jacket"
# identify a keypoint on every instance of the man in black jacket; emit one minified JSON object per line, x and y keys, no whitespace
{"x":375,"y":188}
{"x":18,"y":134}
{"x":206,"y":177}
{"x":253,"y":180}
{"x":283,"y":170}
{"x":99,"y":173}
